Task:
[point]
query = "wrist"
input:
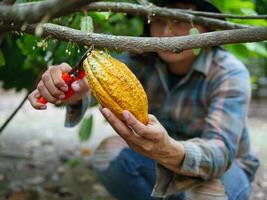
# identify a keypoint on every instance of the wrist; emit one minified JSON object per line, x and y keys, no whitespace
{"x":176,"y":156}
{"x":75,"y":103}
{"x":76,"y":99}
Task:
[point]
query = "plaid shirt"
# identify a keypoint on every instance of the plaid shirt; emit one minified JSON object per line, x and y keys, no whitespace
{"x":206,"y":111}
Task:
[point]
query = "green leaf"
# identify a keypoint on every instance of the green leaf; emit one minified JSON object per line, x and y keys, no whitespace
{"x":74,"y":162}
{"x":2,"y":59}
{"x":194,"y":31}
{"x":259,"y":48}
{"x":87,"y":24}
{"x":86,"y":128}
{"x":239,"y":50}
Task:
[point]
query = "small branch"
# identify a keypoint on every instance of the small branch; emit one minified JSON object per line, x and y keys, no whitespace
{"x":13,"y":114}
{"x":7,"y":2}
{"x":222,"y":15}
{"x":13,"y":154}
{"x":147,"y":44}
{"x":148,"y":10}
{"x":36,"y":11}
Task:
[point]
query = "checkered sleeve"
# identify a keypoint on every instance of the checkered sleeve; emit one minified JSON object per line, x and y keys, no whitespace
{"x":210,"y":155}
{"x":75,"y":112}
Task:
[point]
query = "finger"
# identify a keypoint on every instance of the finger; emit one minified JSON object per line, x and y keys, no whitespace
{"x":33,"y":99}
{"x":46,"y":94}
{"x":36,"y":94}
{"x":152,"y":119}
{"x":123,"y":130}
{"x":49,"y":84}
{"x":132,"y":122}
{"x":149,"y":132}
{"x":65,"y":67}
{"x":56,"y":74}
{"x":116,"y":124}
{"x":80,"y":85}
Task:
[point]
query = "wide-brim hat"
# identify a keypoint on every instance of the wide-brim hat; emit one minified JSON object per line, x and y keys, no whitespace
{"x":202,"y":5}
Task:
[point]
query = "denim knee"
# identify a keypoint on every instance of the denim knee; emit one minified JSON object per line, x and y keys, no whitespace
{"x":124,"y":173}
{"x":106,"y":152}
{"x":236,"y":183}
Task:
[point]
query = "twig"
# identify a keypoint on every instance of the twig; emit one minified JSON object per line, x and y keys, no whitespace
{"x":7,"y":2}
{"x":222,"y":15}
{"x":35,"y":12}
{"x":13,"y":155}
{"x":148,"y":10}
{"x":14,"y":113}
{"x":148,"y":44}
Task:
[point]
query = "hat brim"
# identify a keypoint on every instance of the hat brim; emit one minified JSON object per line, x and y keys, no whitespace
{"x":202,"y":5}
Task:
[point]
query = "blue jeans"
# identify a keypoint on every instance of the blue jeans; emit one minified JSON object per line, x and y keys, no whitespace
{"x":131,"y":176}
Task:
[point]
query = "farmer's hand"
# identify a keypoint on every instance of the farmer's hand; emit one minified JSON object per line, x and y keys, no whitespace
{"x":52,"y":87}
{"x":150,"y":140}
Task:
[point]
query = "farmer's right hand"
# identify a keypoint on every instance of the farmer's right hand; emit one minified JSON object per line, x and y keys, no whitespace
{"x":52,"y":88}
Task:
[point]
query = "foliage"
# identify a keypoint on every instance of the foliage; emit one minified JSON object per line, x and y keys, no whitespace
{"x":23,"y":57}
{"x":245,"y":7}
{"x":22,"y":62}
{"x":261,"y":7}
{"x":194,"y":31}
{"x":86,"y":128}
{"x":2,"y":59}
{"x":252,"y":54}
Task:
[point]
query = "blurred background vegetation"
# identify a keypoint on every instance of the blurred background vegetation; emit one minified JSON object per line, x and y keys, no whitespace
{"x":23,"y":57}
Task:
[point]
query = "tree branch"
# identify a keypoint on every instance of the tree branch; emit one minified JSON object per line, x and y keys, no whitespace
{"x":150,"y":10}
{"x":7,"y":2}
{"x":36,"y":11}
{"x":221,"y":15}
{"x":147,"y":44}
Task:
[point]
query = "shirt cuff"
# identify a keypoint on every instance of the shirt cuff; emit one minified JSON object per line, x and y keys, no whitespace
{"x":75,"y":112}
{"x":168,"y":182}
{"x":192,"y":159}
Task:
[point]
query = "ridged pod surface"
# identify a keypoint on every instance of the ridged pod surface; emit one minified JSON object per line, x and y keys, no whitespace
{"x":115,"y":86}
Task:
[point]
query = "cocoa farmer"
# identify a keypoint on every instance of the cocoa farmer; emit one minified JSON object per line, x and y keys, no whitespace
{"x":196,"y":145}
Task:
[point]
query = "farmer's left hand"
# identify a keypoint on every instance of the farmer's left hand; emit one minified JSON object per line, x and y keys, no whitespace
{"x":150,"y":140}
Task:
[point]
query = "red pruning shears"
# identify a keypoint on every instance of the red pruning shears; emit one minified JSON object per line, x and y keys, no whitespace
{"x":74,"y":74}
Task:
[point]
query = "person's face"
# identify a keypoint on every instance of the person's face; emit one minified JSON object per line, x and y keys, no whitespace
{"x":160,"y":27}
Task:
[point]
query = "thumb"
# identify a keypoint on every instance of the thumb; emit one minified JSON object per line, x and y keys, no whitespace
{"x":76,"y":86}
{"x":79,"y":86}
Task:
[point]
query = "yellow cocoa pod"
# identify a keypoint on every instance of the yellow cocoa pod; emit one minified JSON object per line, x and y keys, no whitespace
{"x":115,"y":86}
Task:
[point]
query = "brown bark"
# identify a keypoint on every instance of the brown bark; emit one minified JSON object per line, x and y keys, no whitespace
{"x":147,"y":44}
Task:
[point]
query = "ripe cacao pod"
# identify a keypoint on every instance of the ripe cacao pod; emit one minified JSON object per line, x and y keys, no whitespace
{"x":115,"y":86}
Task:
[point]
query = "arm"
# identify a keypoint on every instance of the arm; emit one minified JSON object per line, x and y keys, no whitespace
{"x":197,"y":160}
{"x":211,"y":155}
